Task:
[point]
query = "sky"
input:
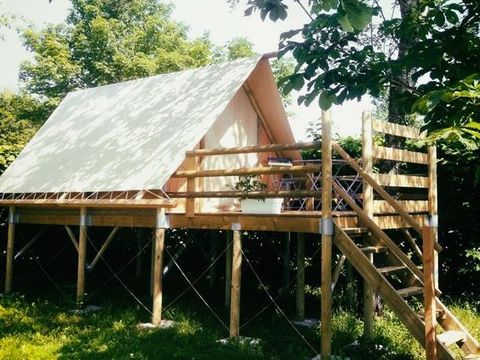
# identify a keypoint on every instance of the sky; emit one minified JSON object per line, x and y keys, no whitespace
{"x":213,"y":16}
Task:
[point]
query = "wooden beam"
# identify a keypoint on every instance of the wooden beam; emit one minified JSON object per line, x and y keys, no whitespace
{"x":236,"y":284}
{"x":368,"y":207}
{"x":191,"y":166}
{"x":104,"y":247}
{"x":10,"y":250}
{"x":397,"y":130}
{"x":255,"y":149}
{"x":158,"y":249}
{"x":412,"y":206}
{"x":91,"y":203}
{"x":429,"y":294}
{"x":72,"y":237}
{"x":337,"y":271}
{"x":262,"y":170}
{"x":386,"y":153}
{"x":228,"y":267}
{"x":82,"y":253}
{"x":401,"y":180}
{"x":300,"y":277}
{"x":433,"y":202}
{"x":250,"y":195}
{"x":327,"y":236}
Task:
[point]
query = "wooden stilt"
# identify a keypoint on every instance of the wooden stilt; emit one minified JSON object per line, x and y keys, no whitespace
{"x":236,"y":283}
{"x":367,"y":156}
{"x":429,"y":293}
{"x":228,"y":268}
{"x":300,"y":289}
{"x":10,"y":249}
{"x":157,"y":270}
{"x":433,"y":203}
{"x":82,"y":252}
{"x":327,"y":236}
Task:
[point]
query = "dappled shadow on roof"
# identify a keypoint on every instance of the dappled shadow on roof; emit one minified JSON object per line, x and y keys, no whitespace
{"x":130,"y":135}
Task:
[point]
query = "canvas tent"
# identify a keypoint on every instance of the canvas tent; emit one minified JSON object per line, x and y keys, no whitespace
{"x":133,"y":135}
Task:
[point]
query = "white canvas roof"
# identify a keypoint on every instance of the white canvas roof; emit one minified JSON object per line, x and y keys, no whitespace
{"x":127,"y":136}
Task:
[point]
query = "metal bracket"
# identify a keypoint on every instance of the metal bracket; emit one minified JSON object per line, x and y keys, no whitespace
{"x":433,"y":220}
{"x":86,"y":220}
{"x":326,"y":226}
{"x":162,"y":221}
{"x":13,"y":217}
{"x":236,"y":227}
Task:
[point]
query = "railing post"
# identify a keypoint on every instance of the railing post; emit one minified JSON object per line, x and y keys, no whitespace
{"x":191,"y":165}
{"x":367,"y":157}
{"x":429,"y":293}
{"x":433,"y":203}
{"x":327,"y":236}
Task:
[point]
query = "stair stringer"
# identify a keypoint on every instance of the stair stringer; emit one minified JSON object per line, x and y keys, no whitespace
{"x":387,"y":292}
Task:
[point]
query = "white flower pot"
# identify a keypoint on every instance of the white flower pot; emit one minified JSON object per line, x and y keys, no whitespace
{"x":256,"y":206}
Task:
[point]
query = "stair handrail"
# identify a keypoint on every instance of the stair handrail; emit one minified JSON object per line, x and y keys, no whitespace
{"x":381,"y":191}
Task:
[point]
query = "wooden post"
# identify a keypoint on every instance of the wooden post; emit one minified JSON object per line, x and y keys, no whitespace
{"x":10,"y":249}
{"x":157,"y":267}
{"x":327,"y":236}
{"x":433,"y":203}
{"x":367,"y":157}
{"x":191,"y":165}
{"x":300,"y":289}
{"x":236,"y":282}
{"x":228,"y":268}
{"x":429,"y":293}
{"x":82,"y":253}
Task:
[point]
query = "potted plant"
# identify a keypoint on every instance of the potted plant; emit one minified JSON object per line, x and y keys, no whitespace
{"x":250,"y":183}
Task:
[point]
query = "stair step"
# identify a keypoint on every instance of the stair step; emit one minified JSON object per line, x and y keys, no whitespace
{"x":373,"y":249}
{"x":473,"y":357}
{"x":440,"y":315}
{"x":391,"y":269}
{"x":356,"y":231}
{"x":452,"y":337}
{"x":410,"y":291}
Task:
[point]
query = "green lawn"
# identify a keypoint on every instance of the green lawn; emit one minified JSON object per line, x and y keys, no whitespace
{"x":44,"y":329}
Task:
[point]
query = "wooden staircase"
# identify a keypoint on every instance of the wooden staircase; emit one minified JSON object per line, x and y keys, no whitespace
{"x":397,"y":299}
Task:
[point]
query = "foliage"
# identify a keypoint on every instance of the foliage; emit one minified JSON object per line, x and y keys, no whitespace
{"x":44,"y":329}
{"x":20,"y":116}
{"x":234,"y":49}
{"x":249,"y":183}
{"x":349,"y":48}
{"x":104,"y":42}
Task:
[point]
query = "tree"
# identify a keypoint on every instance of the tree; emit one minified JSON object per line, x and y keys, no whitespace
{"x":20,"y":117}
{"x":349,"y":48}
{"x":105,"y":41}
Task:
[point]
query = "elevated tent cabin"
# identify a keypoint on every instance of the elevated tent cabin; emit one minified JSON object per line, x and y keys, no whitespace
{"x":162,"y":152}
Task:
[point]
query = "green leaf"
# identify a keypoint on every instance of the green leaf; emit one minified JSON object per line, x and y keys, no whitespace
{"x":359,"y":14}
{"x":345,"y":24}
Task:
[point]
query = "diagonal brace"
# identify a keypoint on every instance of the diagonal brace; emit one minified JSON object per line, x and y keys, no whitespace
{"x":30,"y":243}
{"x":104,"y":247}
{"x":72,"y":236}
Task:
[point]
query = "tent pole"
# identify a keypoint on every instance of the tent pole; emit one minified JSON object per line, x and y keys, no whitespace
{"x":82,"y":251}
{"x":10,"y":249}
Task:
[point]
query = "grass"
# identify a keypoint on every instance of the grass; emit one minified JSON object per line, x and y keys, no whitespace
{"x":45,"y":329}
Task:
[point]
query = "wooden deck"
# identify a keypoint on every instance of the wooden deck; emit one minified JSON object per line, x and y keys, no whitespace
{"x":292,"y":221}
